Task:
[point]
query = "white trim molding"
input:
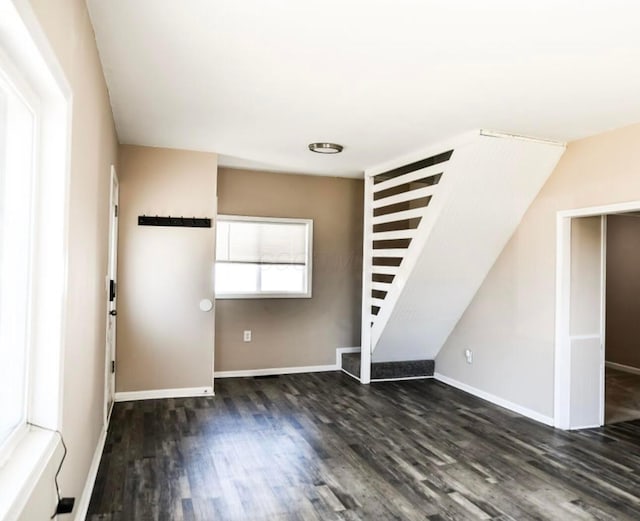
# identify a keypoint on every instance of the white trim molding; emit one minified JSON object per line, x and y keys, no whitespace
{"x":562,"y":350}
{"x":272,"y":371}
{"x":622,"y":367}
{"x":587,"y":426}
{"x":496,"y":400}
{"x":30,"y":65}
{"x":401,"y":379}
{"x":308,"y":261}
{"x":155,"y":394}
{"x":85,"y":498}
{"x":351,"y":375}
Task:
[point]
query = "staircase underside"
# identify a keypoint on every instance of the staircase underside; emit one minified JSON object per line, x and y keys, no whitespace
{"x":389,"y":370}
{"x":484,"y":190}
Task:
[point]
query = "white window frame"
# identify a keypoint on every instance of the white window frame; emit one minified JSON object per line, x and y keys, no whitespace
{"x":28,"y":60}
{"x":11,"y":75}
{"x":309,"y":263}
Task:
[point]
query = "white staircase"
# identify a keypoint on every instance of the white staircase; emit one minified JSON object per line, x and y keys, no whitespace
{"x":435,"y":223}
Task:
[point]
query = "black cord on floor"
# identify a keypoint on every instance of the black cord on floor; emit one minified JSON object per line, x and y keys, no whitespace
{"x":55,"y":479}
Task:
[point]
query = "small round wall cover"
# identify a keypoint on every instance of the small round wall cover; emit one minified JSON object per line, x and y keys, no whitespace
{"x":206,"y":304}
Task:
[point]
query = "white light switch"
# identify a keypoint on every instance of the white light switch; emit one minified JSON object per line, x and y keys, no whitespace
{"x":469,"y":356}
{"x":247,"y":335}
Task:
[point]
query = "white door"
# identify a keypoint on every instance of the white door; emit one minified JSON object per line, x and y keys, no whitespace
{"x":586,"y":327}
{"x":112,"y":296}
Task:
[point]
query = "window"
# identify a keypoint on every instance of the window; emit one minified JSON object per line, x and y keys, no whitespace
{"x":35,"y":125}
{"x":17,"y":142}
{"x":263,"y":257}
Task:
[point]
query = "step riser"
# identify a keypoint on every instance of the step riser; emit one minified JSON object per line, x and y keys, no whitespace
{"x":389,"y":370}
{"x":408,"y":369}
{"x":351,"y":363}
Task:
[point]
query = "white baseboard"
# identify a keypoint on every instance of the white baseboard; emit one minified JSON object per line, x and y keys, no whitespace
{"x":401,"y":379}
{"x":583,"y":427}
{"x":351,"y":375}
{"x":83,"y":503}
{"x":273,"y":371}
{"x":524,"y":411}
{"x":85,"y":498}
{"x":184,"y":392}
{"x":621,"y":367}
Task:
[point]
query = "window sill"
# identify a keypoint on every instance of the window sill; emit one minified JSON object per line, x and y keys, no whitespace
{"x":229,"y":296}
{"x":22,"y":470}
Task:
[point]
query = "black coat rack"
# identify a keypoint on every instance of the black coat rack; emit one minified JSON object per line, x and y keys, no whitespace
{"x":188,"y":222}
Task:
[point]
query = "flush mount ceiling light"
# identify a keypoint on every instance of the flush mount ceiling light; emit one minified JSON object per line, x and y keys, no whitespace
{"x":325,"y":148}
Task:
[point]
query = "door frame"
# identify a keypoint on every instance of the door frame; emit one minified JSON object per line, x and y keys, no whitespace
{"x":214,"y":311}
{"x":112,"y":267}
{"x":562,"y":369}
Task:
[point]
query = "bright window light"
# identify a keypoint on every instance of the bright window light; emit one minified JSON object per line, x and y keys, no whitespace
{"x":35,"y":126}
{"x":16,"y":188}
{"x":263,"y":257}
{"x":282,"y":277}
{"x":236,"y":278}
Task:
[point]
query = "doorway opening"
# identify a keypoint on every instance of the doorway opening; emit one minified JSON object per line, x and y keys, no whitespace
{"x":622,"y":324}
{"x":597,"y":363}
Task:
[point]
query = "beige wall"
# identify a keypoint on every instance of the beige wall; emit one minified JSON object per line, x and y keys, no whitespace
{"x":623,"y":290}
{"x":93,"y":149}
{"x":163,"y":340}
{"x":296,"y":332}
{"x":510,"y":323}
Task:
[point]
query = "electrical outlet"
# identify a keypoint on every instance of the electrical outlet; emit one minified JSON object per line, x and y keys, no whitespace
{"x":247,"y":335}
{"x":469,"y":356}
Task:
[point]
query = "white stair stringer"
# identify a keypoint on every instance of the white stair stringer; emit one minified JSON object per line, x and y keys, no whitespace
{"x":485,"y":188}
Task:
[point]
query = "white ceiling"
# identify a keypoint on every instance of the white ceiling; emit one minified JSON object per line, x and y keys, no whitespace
{"x":257,"y":80}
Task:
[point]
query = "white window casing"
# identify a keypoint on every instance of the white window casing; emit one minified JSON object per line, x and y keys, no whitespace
{"x":35,"y":160}
{"x":259,"y":257}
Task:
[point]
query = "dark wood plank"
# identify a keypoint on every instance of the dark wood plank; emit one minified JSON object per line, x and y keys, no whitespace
{"x":323,"y":447}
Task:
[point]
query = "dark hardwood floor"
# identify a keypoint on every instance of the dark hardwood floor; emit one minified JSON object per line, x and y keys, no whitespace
{"x":323,"y":447}
{"x":622,"y":396}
